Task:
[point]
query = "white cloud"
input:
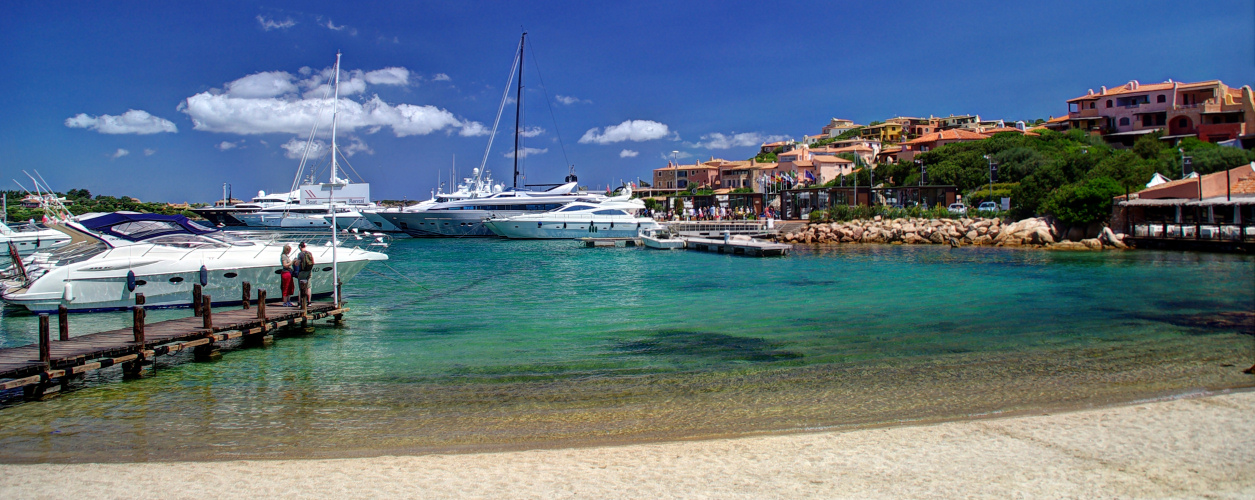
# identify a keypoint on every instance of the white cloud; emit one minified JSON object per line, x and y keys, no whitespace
{"x":332,"y":26}
{"x":525,"y":152}
{"x":280,"y":102}
{"x":295,"y":148}
{"x":472,"y":129}
{"x":119,"y":153}
{"x":441,"y":77}
{"x":133,"y":121}
{"x":568,"y":100}
{"x":388,"y":76}
{"x":531,"y":132}
{"x":627,"y":153}
{"x":355,"y":146}
{"x":678,"y":156}
{"x":263,"y":84}
{"x":226,"y":145}
{"x":149,"y":152}
{"x":268,"y":24}
{"x":717,"y":140}
{"x":631,"y":130}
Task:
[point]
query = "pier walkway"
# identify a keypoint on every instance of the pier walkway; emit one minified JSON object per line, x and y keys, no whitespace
{"x":34,"y":367}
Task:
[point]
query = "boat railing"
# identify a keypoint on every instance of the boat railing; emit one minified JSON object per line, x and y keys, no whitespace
{"x":364,"y":240}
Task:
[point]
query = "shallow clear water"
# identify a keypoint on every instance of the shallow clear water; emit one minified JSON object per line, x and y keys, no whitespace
{"x":508,"y":344}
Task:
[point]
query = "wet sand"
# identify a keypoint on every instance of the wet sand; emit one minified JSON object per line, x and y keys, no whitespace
{"x":1194,"y":447}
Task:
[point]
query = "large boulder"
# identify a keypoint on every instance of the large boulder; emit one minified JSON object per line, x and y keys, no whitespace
{"x":1092,"y":243}
{"x":1110,"y":238}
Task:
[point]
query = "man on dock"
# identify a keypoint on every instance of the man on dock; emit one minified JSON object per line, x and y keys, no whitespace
{"x":305,"y":260}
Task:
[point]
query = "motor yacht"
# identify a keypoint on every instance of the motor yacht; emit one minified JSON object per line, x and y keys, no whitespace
{"x":111,"y":257}
{"x":609,"y":218}
{"x":463,"y":218}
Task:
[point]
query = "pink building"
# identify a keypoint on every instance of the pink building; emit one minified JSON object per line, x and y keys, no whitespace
{"x":1209,"y":110}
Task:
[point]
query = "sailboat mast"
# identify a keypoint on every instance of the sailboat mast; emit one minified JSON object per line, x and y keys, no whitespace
{"x":334,"y":109}
{"x":518,"y":110}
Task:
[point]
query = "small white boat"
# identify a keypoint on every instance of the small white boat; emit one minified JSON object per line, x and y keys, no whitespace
{"x":661,"y":238}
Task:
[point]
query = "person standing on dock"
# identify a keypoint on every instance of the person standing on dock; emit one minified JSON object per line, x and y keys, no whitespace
{"x":286,"y":284}
{"x":305,"y":260}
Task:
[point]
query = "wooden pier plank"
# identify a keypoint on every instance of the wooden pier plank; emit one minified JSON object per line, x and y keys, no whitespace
{"x":23,"y":362}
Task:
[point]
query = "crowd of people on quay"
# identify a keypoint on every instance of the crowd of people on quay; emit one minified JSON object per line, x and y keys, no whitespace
{"x":711,"y":213}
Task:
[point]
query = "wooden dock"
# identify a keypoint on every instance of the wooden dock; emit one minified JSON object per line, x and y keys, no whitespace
{"x":753,"y":248}
{"x":47,"y":364}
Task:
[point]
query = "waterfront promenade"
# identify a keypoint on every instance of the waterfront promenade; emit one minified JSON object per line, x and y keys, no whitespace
{"x":1184,"y":448}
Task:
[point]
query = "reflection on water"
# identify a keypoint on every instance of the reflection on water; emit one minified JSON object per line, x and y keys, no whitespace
{"x":513,"y":344}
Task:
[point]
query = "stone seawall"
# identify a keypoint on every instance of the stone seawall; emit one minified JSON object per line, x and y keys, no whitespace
{"x":1036,"y":231}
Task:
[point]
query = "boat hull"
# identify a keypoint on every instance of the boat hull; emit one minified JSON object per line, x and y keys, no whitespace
{"x":534,"y":230}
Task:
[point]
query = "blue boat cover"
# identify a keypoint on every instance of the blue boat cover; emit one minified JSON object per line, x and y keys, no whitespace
{"x":133,"y":227}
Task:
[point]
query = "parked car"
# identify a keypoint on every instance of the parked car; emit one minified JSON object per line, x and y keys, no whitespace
{"x":987,"y":206}
{"x":957,"y":208}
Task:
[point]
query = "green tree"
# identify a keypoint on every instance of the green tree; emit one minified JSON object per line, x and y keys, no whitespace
{"x":1083,"y":202}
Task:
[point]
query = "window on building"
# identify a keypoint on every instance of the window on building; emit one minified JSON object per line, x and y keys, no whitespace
{"x":1183,"y":123}
{"x":683,"y":184}
{"x":1124,"y":121}
{"x":1108,"y":103}
{"x":1161,"y":98}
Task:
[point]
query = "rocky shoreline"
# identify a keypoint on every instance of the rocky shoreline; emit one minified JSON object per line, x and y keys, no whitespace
{"x":1033,"y":232}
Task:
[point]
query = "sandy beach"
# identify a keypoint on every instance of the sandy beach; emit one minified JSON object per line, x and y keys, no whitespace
{"x":1193,"y":447}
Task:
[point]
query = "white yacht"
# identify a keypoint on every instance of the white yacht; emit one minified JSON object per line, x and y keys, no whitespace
{"x":26,"y":239}
{"x":113,"y":256}
{"x":611,"y":218}
{"x":462,"y":218}
{"x":223,"y":216}
{"x":475,"y":186}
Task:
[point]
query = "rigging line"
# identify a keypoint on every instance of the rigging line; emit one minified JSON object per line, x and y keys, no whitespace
{"x":346,"y":162}
{"x":500,"y":108}
{"x":385,"y":264}
{"x":549,"y":103}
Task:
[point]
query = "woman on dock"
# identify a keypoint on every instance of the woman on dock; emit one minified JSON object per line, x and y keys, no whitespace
{"x":286,"y":284}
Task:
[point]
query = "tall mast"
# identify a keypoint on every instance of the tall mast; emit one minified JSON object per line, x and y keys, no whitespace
{"x":334,"y":109}
{"x":518,"y":110}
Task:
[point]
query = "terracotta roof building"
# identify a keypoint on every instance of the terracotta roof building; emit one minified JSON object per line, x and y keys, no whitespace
{"x":1209,"y":110}
{"x":935,"y":140}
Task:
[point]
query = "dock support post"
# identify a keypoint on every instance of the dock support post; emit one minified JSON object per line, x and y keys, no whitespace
{"x":248,"y":293}
{"x":45,"y":343}
{"x":196,"y":295}
{"x":261,"y":304}
{"x":137,"y":324}
{"x":63,"y":322}
{"x":339,"y":293}
{"x":206,"y":312}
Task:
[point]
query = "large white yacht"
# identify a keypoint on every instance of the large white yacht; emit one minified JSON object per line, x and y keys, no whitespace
{"x":462,"y":218}
{"x":223,"y":216}
{"x":475,"y":186}
{"x":612,"y":218}
{"x":113,"y":256}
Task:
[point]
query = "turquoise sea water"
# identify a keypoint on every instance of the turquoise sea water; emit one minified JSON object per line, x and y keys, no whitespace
{"x":515,"y":344}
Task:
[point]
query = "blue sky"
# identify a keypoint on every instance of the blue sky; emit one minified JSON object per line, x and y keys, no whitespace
{"x":168,"y":100}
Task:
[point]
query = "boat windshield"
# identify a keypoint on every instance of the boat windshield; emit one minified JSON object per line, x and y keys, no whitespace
{"x":574,"y":208}
{"x":77,"y":251}
{"x":138,"y":230}
{"x":187,"y":241}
